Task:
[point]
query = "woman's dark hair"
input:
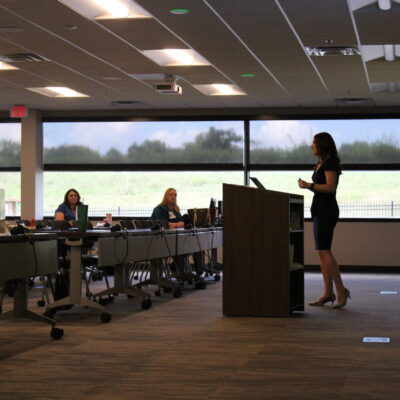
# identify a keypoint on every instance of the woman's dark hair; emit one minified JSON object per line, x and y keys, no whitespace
{"x":66,"y":197}
{"x":326,"y":147}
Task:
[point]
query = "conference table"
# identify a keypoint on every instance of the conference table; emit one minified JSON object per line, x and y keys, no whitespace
{"x":22,"y":257}
{"x":122,"y":248}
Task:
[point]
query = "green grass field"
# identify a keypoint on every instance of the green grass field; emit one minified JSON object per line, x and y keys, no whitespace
{"x":128,"y":190}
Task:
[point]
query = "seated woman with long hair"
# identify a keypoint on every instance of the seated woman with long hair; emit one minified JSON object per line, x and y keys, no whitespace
{"x":67,"y":210}
{"x":168,"y":210}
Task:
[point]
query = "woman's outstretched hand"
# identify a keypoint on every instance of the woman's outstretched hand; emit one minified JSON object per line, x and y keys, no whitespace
{"x":303,"y":184}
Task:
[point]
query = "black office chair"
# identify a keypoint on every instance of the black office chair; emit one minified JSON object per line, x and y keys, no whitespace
{"x":126,"y":224}
{"x":143,"y":223}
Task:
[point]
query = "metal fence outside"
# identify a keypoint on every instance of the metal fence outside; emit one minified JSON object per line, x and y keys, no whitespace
{"x":364,"y":210}
{"x":347,"y":210}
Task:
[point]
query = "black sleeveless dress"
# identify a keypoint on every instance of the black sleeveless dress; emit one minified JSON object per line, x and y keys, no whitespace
{"x":324,"y":207}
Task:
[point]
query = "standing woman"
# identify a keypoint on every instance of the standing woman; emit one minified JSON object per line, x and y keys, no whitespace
{"x":325,"y":214}
{"x":67,"y":209}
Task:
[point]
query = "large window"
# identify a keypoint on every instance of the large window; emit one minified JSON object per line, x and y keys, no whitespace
{"x":141,"y":159}
{"x":10,"y":144}
{"x":364,"y":143}
{"x":143,"y":142}
{"x":361,"y":194}
{"x":136,"y":193}
{"x":10,"y":180}
{"x":359,"y":141}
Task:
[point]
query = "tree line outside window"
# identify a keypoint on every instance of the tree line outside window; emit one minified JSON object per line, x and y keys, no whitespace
{"x":213,"y":146}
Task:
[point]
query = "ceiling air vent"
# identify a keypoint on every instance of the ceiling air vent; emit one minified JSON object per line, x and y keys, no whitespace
{"x":21,"y":57}
{"x":126,"y":102}
{"x":354,"y":101}
{"x":332,"y":51}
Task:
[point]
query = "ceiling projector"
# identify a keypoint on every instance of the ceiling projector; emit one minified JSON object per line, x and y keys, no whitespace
{"x":168,"y":88}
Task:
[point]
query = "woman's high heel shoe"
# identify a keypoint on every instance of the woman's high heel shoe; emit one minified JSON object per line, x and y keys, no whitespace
{"x":346,"y":296}
{"x":324,"y":300}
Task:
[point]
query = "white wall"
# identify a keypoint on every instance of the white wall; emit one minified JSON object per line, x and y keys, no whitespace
{"x":359,"y":243}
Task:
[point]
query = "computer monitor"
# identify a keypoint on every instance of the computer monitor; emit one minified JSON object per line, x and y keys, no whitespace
{"x":257,"y":183}
{"x":213,"y":203}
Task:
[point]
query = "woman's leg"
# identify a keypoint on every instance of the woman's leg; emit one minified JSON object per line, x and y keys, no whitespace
{"x":330,"y":269}
{"x":328,"y":282}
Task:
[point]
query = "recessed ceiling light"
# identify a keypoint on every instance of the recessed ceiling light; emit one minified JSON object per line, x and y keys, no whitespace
{"x":107,"y":9}
{"x":332,"y":51}
{"x":175,"y":57}
{"x":13,"y":29}
{"x":247,"y":75}
{"x":4,"y":66}
{"x":220,"y":89}
{"x":57,"y":91}
{"x":178,"y":11}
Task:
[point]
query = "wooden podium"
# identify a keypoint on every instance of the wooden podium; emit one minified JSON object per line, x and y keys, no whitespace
{"x":263,"y":246}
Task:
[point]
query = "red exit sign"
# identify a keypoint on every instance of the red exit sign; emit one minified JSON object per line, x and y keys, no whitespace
{"x":18,"y":111}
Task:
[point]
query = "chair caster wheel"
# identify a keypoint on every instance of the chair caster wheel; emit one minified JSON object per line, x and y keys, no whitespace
{"x":56,"y":333}
{"x":103,"y":302}
{"x":157,"y":293}
{"x":177,"y":293}
{"x":200,"y":285}
{"x":217,"y":278}
{"x":49,"y":313}
{"x":41,"y":303}
{"x":146,"y":304}
{"x":105,"y":317}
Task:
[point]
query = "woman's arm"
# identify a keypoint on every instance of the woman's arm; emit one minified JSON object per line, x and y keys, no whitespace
{"x":328,"y":187}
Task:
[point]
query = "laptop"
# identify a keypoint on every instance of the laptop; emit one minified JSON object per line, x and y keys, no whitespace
{"x":257,"y":183}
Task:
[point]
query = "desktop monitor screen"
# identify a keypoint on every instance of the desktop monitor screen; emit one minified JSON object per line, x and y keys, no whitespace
{"x":213,"y":203}
{"x":257,"y":183}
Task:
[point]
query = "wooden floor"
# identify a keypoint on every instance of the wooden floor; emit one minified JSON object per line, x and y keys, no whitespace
{"x":186,"y":349}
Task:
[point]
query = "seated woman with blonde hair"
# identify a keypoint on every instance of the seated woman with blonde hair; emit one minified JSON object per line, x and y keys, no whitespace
{"x":168,"y":210}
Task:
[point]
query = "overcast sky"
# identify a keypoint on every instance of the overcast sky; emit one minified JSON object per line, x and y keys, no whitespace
{"x":280,"y":134}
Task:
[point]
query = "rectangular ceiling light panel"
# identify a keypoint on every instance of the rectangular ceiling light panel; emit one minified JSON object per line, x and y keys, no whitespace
{"x":107,"y":9}
{"x":220,"y":89}
{"x":4,"y":66}
{"x":57,"y":91}
{"x":175,"y":57}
